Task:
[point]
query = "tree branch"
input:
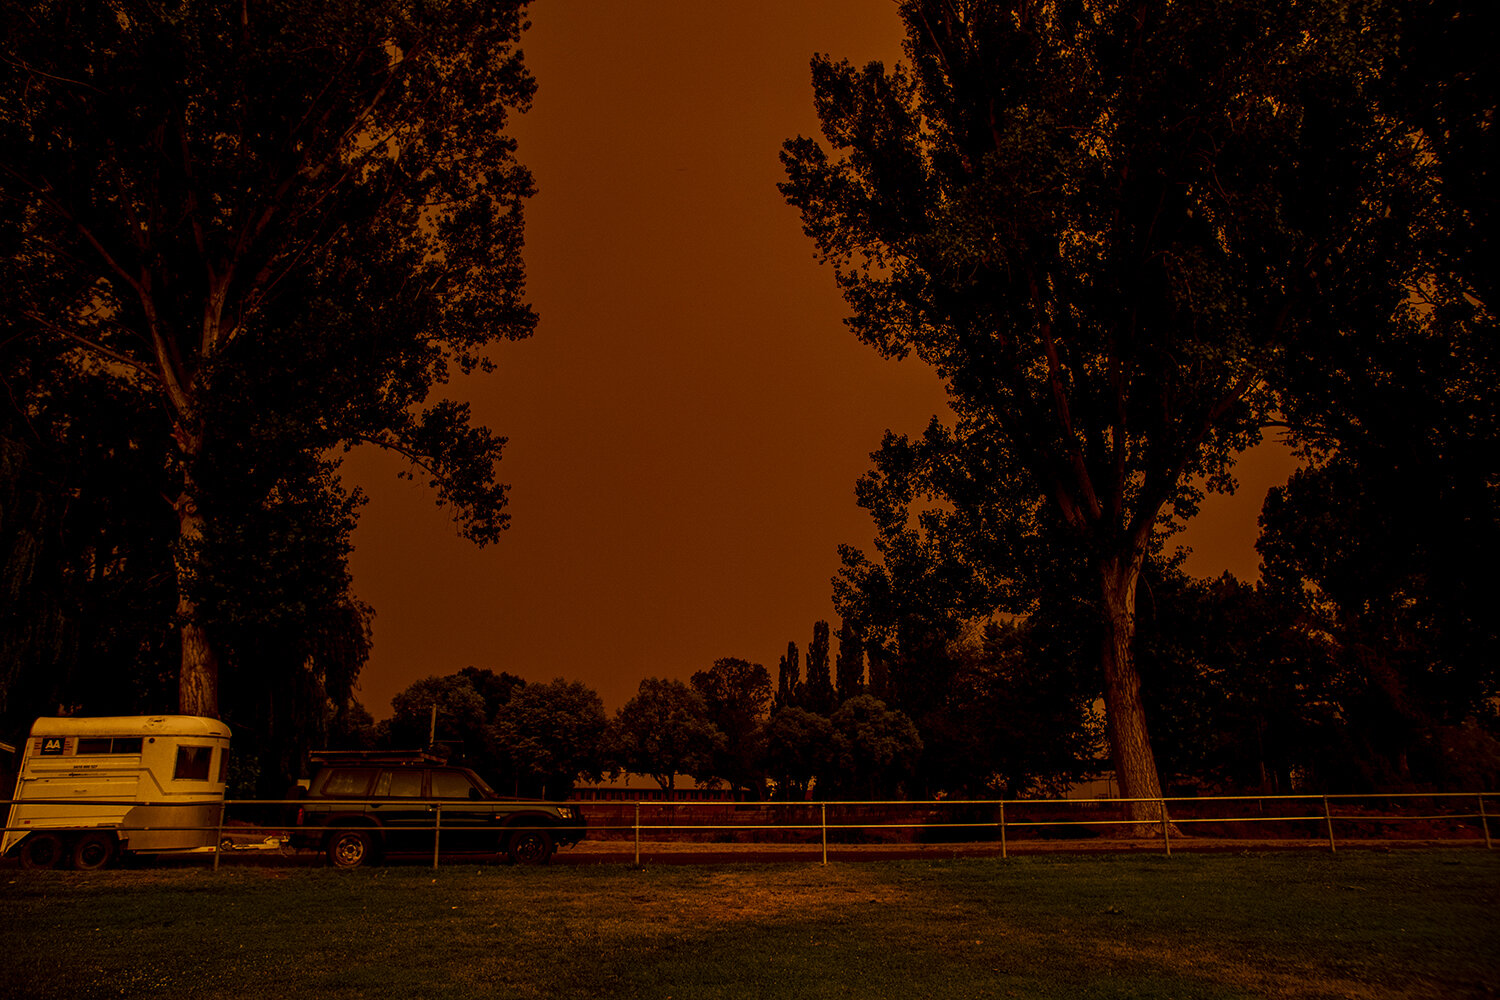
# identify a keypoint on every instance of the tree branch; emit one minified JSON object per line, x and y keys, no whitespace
{"x":92,"y":345}
{"x":28,"y":68}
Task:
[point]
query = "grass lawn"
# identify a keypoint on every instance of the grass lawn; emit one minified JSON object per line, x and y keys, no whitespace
{"x":1351,"y":925}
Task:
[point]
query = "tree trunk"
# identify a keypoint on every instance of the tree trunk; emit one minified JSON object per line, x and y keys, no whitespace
{"x":198,"y":675}
{"x":1129,"y":742}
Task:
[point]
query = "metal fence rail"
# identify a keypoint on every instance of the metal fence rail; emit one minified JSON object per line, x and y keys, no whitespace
{"x":1015,"y":820}
{"x":1458,"y":817}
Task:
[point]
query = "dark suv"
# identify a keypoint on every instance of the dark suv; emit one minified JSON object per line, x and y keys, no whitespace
{"x":362,"y":806}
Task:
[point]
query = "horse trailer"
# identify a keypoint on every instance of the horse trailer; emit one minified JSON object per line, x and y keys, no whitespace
{"x":90,"y":790}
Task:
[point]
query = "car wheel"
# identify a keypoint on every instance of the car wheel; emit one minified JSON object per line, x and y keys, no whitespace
{"x":41,"y":850}
{"x":93,"y":851}
{"x":530,"y":847}
{"x":351,"y":848}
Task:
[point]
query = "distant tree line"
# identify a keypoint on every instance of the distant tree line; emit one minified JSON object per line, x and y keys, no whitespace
{"x":722,"y":729}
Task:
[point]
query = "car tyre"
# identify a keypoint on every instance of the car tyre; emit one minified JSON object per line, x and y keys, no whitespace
{"x":93,"y":851}
{"x":351,"y":849}
{"x":529,"y":847}
{"x":42,"y":850}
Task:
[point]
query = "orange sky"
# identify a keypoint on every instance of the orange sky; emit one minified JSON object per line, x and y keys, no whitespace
{"x":688,"y":422}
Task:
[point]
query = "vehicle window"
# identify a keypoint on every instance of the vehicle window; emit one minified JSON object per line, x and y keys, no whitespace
{"x":192,"y":763}
{"x":488,"y":792}
{"x":348,"y":782}
{"x":451,"y":785}
{"x":401,"y":784}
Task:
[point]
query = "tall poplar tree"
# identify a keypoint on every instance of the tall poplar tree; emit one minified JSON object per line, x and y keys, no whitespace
{"x":789,"y":678}
{"x":278,"y":218}
{"x":820,"y":692}
{"x":1102,"y":223}
{"x":849,"y":666}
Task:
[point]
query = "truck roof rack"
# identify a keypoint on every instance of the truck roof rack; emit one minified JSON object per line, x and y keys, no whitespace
{"x":432,"y":755}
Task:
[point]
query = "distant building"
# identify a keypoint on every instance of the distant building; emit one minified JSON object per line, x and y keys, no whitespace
{"x":1101,"y":786}
{"x":636,"y":788}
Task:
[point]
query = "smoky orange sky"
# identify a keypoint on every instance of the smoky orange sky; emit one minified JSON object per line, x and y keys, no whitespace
{"x":687,"y":424}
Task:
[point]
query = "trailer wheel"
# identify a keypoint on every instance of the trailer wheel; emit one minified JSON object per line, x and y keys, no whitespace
{"x":93,"y":851}
{"x":41,"y":850}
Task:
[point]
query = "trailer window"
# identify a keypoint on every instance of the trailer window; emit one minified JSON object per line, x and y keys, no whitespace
{"x":108,"y":744}
{"x":192,"y":763}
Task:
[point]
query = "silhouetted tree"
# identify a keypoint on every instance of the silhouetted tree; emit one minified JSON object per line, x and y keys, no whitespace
{"x":1240,"y":691}
{"x":796,"y":748}
{"x":1385,"y":544}
{"x":737,"y":694}
{"x":460,"y":722}
{"x":880,"y":674}
{"x":84,"y":550}
{"x":467,"y":703}
{"x":1386,"y":570}
{"x":353,"y":728}
{"x":554,"y":736}
{"x":849,"y":668}
{"x":934,"y":574}
{"x":86,"y":553}
{"x":664,"y":731}
{"x":874,"y":749}
{"x":1100,"y":223}
{"x":789,"y":678}
{"x":1040,"y":732}
{"x":287,"y":219}
{"x":820,"y":693}
{"x":496,"y":690}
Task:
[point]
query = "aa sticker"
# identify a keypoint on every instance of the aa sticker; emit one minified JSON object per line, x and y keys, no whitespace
{"x":52,"y":745}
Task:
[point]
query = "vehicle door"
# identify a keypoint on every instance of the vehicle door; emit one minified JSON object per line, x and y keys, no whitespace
{"x":401,"y":807}
{"x":469,"y":821}
{"x":341,"y":794}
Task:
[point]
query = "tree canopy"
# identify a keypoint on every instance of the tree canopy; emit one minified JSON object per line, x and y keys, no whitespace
{"x":737,"y":694}
{"x":554,"y":735}
{"x":665,"y":730}
{"x":1102,"y":224}
{"x":282,"y":223}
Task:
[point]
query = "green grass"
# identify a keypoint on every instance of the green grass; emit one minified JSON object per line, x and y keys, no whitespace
{"x":1356,"y":924}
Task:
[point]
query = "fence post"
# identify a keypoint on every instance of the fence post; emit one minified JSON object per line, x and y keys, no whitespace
{"x":1166,"y":825}
{"x":218,"y":837}
{"x":825,"y":833}
{"x":437,"y":829}
{"x":1484,"y":824}
{"x":1002,"y":829}
{"x":637,"y":833}
{"x":1328,"y":818}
